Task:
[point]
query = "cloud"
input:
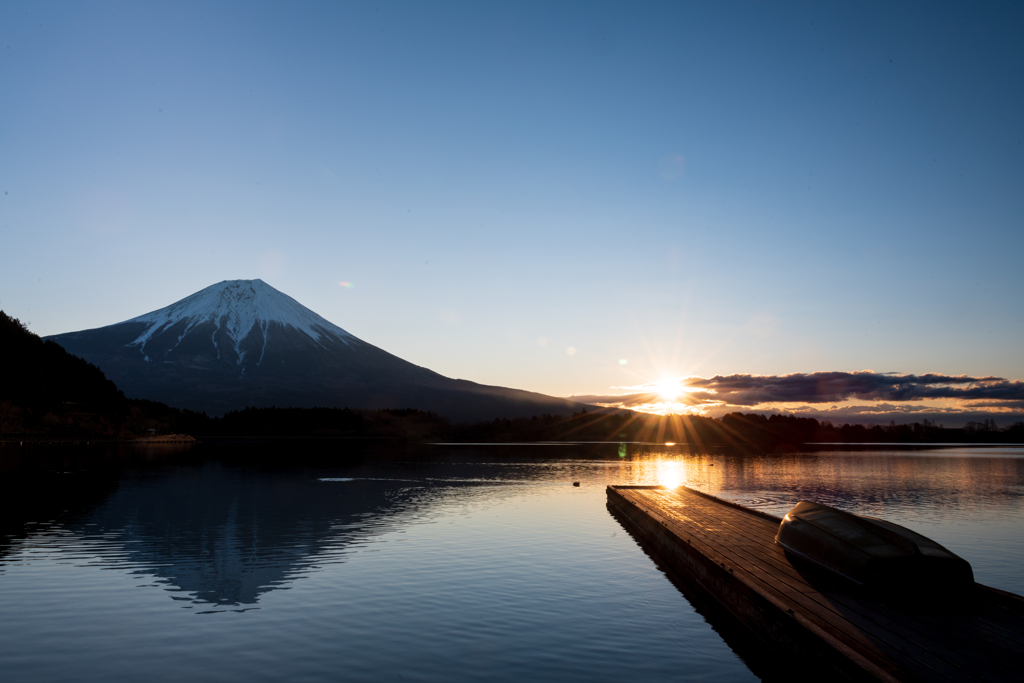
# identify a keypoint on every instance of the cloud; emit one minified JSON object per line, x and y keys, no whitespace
{"x":829,"y":387}
{"x":1006,"y":405}
{"x":890,"y":396}
{"x":629,"y":400}
{"x":622,"y":399}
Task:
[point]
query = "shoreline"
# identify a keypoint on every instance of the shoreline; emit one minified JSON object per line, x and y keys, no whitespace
{"x":89,"y":440}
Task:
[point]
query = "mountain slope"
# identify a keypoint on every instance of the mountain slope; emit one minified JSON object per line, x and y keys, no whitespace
{"x":242,"y":343}
{"x":43,"y":376}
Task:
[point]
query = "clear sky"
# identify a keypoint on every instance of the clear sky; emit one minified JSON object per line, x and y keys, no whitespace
{"x":705,"y":189}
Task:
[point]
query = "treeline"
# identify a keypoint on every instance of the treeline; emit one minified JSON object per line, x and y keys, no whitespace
{"x":46,"y":392}
{"x":325,"y":423}
{"x":734,"y":429}
{"x":788,"y":429}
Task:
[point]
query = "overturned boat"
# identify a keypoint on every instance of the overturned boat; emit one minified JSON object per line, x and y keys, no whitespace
{"x":872,"y":552}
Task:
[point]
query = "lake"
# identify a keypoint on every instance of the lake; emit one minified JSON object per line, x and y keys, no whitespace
{"x":316,"y":561}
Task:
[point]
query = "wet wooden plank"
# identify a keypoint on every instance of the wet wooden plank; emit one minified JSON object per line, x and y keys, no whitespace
{"x":924,"y":663}
{"x":795,"y":635}
{"x":728,"y":545}
{"x":946,"y":647}
{"x":960,"y":635}
{"x":965,"y":642}
{"x":951,"y":639}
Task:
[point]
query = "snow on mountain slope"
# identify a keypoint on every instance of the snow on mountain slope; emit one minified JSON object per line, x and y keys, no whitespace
{"x":238,"y":306}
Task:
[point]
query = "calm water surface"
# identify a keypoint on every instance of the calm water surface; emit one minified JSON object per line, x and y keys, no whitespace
{"x":433,"y":564}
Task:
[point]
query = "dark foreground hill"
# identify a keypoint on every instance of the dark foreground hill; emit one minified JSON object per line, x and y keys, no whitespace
{"x":44,"y":390}
{"x":242,"y":343}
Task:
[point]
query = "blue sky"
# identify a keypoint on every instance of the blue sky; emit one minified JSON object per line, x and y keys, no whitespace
{"x":697,"y":190}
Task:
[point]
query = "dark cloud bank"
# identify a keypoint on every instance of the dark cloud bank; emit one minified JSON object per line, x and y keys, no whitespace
{"x":977,"y":397}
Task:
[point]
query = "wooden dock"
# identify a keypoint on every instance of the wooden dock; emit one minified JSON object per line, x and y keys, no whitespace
{"x":823,"y":626}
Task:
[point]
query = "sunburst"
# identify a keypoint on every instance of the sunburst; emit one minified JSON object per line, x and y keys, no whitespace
{"x":669,"y":389}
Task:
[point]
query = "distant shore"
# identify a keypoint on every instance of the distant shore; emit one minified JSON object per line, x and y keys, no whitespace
{"x":150,"y":440}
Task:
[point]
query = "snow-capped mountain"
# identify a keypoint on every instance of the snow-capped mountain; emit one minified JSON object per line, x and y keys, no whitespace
{"x":237,"y":309}
{"x":243,"y":343}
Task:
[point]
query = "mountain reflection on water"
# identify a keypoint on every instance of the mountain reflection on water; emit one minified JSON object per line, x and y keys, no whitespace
{"x":423,"y":562}
{"x":226,"y":536}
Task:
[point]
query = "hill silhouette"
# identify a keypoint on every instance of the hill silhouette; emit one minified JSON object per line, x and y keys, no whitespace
{"x":44,"y":390}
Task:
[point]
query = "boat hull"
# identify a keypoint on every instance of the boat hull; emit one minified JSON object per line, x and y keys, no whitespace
{"x":874,"y":553}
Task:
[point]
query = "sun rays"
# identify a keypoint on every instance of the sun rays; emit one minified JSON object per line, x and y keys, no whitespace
{"x":669,"y":388}
{"x":667,"y":396}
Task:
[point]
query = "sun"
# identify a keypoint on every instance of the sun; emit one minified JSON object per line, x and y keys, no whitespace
{"x":669,"y":389}
{"x":670,"y":395}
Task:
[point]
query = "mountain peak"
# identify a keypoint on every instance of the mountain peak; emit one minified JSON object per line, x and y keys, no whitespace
{"x":242,"y":343}
{"x":237,"y":307}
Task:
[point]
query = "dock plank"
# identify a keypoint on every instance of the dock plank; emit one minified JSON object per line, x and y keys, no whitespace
{"x":850,"y":627}
{"x":918,"y":628}
{"x":764,"y":613}
{"x":970,"y":656}
{"x":732,"y":551}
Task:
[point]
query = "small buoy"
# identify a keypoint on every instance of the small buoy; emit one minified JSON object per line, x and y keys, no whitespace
{"x":575,"y":483}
